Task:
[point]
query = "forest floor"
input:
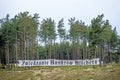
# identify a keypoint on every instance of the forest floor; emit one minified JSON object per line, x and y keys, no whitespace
{"x":108,"y":72}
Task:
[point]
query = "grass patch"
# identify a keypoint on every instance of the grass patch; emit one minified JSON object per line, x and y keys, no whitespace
{"x":109,"y":72}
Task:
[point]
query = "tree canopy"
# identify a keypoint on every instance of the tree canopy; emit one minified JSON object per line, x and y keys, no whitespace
{"x":19,"y":39}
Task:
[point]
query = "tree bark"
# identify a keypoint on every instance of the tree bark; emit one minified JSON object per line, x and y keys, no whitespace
{"x":68,"y":57}
{"x":16,"y":49}
{"x":73,"y":49}
{"x":109,"y":52}
{"x":78,"y":48}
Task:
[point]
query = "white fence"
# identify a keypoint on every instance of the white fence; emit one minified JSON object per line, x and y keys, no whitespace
{"x":54,"y":62}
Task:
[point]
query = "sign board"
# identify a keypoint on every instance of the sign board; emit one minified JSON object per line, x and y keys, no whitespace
{"x":54,"y":62}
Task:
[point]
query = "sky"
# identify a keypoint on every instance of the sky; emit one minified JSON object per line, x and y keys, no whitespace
{"x":84,"y":10}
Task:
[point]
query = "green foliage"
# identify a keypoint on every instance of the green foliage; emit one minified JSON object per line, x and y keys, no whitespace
{"x":100,"y":34}
{"x":16,"y":34}
{"x":61,"y":31}
{"x":47,"y":30}
{"x":19,"y":39}
{"x":47,"y":33}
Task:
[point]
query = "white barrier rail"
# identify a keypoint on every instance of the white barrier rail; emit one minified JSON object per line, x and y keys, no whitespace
{"x":54,"y":62}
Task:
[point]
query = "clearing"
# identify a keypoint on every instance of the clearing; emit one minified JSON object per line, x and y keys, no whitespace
{"x":109,"y":72}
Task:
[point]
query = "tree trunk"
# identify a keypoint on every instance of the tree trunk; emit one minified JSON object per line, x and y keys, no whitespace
{"x":109,"y":52}
{"x":50,"y":50}
{"x":37,"y":50}
{"x":45,"y":48}
{"x":7,"y":52}
{"x":68,"y":57}
{"x":99,"y":47}
{"x":7,"y":56}
{"x":61,"y":56}
{"x":21,"y":50}
{"x":16,"y":49}
{"x":101,"y":53}
{"x":84,"y":48}
{"x":78,"y":48}
{"x":73,"y":49}
{"x":54,"y":50}
{"x":24,"y":49}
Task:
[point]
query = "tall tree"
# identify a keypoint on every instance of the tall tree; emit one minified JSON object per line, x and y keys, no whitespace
{"x":8,"y":38}
{"x":72,"y":35}
{"x":47,"y":33}
{"x":113,"y":44}
{"x":95,"y":40}
{"x":27,"y":32}
{"x":106,"y":36}
{"x":61,"y":32}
